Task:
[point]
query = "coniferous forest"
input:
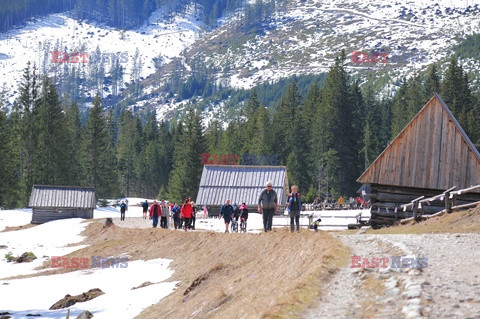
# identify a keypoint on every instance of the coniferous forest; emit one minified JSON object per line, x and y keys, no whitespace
{"x":326,"y":137}
{"x":128,"y":14}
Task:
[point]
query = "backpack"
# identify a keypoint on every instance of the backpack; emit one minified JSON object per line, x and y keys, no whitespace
{"x":236,"y":211}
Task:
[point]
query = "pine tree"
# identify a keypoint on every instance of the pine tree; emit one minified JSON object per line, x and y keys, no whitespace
{"x":128,"y":149}
{"x":459,"y":98}
{"x":399,"y":109}
{"x":286,"y":123}
{"x":99,"y":157}
{"x":260,"y":143}
{"x":432,"y":82}
{"x":10,"y":181}
{"x":51,"y":163}
{"x":75,"y":174}
{"x":335,"y":132}
{"x":187,"y":168}
{"x":25,"y":126}
{"x":213,"y":137}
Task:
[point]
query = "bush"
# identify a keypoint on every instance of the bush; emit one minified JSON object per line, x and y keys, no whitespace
{"x":9,"y":256}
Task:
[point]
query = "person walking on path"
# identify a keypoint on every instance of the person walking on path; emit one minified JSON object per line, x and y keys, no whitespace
{"x":176,"y":216}
{"x":155,"y":211}
{"x":294,"y":203}
{"x":194,"y":217}
{"x":123,"y":208}
{"x":186,"y":212}
{"x":145,"y":209}
{"x":163,"y":219}
{"x":226,"y":212}
{"x":268,"y":205}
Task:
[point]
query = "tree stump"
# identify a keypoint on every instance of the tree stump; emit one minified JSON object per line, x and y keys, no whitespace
{"x":108,"y":222}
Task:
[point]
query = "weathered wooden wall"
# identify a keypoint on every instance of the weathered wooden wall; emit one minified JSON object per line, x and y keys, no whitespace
{"x":431,"y":152}
{"x":42,"y":215}
{"x":385,"y":198}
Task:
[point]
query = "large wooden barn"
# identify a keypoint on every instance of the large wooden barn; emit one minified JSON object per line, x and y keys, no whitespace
{"x":240,"y":184}
{"x":59,"y":202}
{"x":430,"y":155}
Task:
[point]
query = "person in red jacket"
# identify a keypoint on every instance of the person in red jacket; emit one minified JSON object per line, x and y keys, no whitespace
{"x":186,"y":212}
{"x":155,"y":211}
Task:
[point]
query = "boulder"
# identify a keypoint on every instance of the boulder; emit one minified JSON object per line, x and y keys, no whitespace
{"x":85,"y":315}
{"x":69,"y":300}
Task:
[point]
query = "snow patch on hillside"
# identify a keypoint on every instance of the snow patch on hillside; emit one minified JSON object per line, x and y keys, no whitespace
{"x":55,"y":32}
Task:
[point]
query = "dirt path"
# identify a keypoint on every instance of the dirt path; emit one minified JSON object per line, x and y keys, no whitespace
{"x":448,"y":288}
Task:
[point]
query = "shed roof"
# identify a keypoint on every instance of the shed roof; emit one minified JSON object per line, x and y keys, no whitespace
{"x":62,"y":196}
{"x":432,"y":152}
{"x":240,"y":183}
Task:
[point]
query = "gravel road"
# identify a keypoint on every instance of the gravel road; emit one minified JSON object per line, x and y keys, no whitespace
{"x":449,"y":287}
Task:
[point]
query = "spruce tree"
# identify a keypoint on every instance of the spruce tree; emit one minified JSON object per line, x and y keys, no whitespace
{"x":432,"y":82}
{"x":51,"y":162}
{"x":99,"y":157}
{"x":128,"y":149}
{"x":187,"y":168}
{"x":458,"y":96}
{"x":25,"y":126}
{"x":335,"y":132}
{"x":75,"y":173}
{"x":10,"y":180}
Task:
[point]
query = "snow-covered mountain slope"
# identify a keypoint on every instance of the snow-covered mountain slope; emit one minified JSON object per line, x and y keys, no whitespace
{"x":59,"y":32}
{"x":306,"y":36}
{"x":301,"y":37}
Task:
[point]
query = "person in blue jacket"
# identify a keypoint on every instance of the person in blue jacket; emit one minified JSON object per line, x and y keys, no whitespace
{"x":123,"y":208}
{"x":226,"y":212}
{"x":294,"y":205}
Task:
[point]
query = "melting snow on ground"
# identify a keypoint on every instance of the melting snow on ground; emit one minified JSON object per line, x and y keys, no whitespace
{"x":35,"y":295}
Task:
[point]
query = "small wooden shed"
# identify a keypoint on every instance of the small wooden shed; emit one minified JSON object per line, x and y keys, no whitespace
{"x":59,"y":202}
{"x":430,"y":155}
{"x":240,"y":184}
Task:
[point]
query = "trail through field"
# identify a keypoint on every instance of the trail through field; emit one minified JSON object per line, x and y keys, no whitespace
{"x":449,"y":287}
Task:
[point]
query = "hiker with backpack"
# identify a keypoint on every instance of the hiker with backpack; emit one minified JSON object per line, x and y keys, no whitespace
{"x":294,"y":204}
{"x":235,"y":216}
{"x":145,"y":209}
{"x":176,"y":216}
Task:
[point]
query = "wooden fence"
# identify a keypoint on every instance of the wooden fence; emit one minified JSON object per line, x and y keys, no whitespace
{"x":449,"y":197}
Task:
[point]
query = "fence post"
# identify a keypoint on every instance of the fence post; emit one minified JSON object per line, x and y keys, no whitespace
{"x":448,"y":204}
{"x":415,"y":208}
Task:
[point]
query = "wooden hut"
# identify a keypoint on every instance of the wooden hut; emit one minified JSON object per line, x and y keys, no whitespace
{"x":60,"y":202}
{"x":240,"y":184}
{"x":430,"y":155}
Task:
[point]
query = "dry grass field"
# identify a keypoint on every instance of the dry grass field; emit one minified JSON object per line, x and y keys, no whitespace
{"x":266,"y":275}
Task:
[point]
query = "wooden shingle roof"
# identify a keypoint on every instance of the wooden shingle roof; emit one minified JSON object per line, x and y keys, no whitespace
{"x":240,"y":183}
{"x":432,"y":152}
{"x":62,"y":197}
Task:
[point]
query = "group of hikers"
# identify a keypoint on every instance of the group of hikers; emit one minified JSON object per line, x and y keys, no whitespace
{"x":267,"y":206}
{"x":184,"y":215}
